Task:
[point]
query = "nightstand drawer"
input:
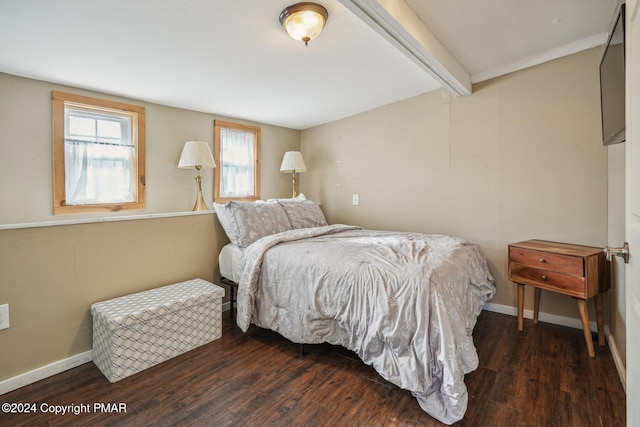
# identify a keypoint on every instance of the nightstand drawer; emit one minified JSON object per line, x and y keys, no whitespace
{"x":558,"y":282}
{"x":548,"y":261}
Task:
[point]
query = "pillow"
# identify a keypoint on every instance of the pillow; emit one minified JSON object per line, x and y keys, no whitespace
{"x":299,"y":198}
{"x":225,"y":220}
{"x":246,"y":222}
{"x":303,"y":214}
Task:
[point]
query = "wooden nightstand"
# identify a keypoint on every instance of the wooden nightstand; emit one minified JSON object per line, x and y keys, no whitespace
{"x":578,"y":271}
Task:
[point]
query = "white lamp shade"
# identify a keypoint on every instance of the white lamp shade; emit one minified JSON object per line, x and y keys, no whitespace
{"x":293,"y":162}
{"x":196,"y":153}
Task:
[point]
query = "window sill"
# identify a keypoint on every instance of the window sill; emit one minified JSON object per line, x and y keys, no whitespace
{"x":101,"y":219}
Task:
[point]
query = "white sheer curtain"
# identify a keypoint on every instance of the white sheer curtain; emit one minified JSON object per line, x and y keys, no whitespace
{"x":98,"y":159}
{"x":237,"y":160}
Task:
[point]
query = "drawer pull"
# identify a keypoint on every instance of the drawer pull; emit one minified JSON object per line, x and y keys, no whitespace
{"x":543,"y":277}
{"x":542,"y":260}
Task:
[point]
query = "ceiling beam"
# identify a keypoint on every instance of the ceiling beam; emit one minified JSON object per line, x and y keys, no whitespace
{"x":399,"y":25}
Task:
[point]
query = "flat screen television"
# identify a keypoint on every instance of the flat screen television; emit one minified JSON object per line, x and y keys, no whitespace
{"x":612,"y":86}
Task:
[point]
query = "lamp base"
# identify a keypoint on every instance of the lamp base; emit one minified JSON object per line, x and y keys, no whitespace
{"x":200,"y":204}
{"x":294,"y":194}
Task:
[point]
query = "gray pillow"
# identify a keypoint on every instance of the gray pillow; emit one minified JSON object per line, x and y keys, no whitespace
{"x":299,"y":198}
{"x":303,"y":214}
{"x":246,"y":222}
{"x":225,"y":221}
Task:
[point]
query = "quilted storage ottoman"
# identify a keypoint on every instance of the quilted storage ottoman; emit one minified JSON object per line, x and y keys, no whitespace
{"x":137,"y":331}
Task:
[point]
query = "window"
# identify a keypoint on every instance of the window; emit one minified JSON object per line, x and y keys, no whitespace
{"x":98,"y":154}
{"x":237,"y":156}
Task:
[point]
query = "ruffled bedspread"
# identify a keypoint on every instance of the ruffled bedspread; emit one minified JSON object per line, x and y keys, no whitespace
{"x":406,"y":303}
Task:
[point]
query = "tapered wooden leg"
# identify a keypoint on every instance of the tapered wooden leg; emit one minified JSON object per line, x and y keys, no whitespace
{"x":536,"y":304}
{"x":231,"y":301}
{"x":520,"y":307}
{"x":600,"y":319}
{"x":584,"y":315}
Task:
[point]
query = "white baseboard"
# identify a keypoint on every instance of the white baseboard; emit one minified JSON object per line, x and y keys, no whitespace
{"x":43,"y":372}
{"x":622,"y":371}
{"x":543,"y":317}
{"x":54,"y":368}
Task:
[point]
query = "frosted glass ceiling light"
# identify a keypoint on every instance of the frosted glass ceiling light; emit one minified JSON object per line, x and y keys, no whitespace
{"x":304,"y":21}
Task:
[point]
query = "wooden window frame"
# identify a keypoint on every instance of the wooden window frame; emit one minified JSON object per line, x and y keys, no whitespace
{"x":60,"y":100}
{"x":221,"y":124}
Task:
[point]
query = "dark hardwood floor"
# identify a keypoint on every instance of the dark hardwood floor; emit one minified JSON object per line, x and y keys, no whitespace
{"x":539,"y":377}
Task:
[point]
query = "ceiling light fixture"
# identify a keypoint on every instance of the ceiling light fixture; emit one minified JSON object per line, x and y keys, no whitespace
{"x":304,"y":21}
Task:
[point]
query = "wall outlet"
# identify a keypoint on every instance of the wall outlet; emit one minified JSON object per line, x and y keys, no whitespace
{"x":356,"y":199}
{"x":4,"y":316}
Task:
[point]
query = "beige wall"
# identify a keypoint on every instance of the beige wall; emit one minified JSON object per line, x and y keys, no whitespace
{"x":26,"y":165}
{"x":50,"y":275}
{"x":521,"y":158}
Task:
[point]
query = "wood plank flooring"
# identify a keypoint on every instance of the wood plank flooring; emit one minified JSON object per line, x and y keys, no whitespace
{"x":539,"y":377}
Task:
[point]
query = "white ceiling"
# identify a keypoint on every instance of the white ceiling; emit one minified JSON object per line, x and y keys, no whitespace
{"x":492,"y":37}
{"x":232,"y":58}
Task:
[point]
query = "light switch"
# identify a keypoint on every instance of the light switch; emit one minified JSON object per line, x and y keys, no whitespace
{"x":356,"y":199}
{"x":4,"y":316}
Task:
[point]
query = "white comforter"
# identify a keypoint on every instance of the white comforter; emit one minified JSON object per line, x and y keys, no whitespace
{"x":406,"y":303}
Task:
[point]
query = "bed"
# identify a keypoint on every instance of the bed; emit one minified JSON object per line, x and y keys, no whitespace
{"x":405,"y":303}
